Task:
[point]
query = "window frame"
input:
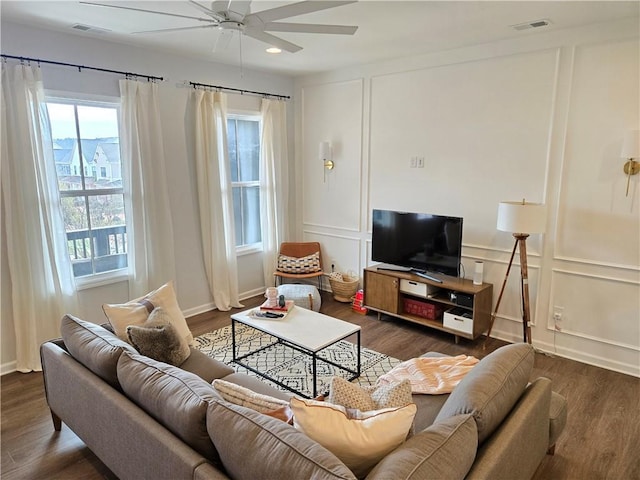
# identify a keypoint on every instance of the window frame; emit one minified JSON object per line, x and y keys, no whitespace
{"x":71,"y":98}
{"x":257,"y":247}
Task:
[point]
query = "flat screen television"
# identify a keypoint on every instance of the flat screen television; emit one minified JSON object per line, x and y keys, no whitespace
{"x":419,"y":241}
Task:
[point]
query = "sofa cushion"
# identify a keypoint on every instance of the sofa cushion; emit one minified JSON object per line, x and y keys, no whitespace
{"x":94,"y":347}
{"x":492,"y":388}
{"x":359,"y":439}
{"x":175,"y":398}
{"x":137,"y":311}
{"x":365,"y":398}
{"x":157,"y":338}
{"x":205,"y":367}
{"x":264,"y":447}
{"x":446,"y":449}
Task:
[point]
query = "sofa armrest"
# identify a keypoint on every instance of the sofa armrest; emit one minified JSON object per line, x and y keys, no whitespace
{"x":521,"y":441}
{"x":122,"y":435}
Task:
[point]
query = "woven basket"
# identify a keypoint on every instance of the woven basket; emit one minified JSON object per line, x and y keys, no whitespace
{"x":344,"y":290}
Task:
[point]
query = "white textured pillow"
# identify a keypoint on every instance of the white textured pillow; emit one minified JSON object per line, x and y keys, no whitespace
{"x":308,"y":264}
{"x":351,"y":395}
{"x":137,"y":311}
{"x":359,"y":439}
{"x":245,"y":397}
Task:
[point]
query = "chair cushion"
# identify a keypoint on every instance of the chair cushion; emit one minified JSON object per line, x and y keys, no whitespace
{"x":297,"y":265}
{"x":94,"y":347}
{"x":175,"y":398}
{"x":491,"y":389}
{"x":206,"y":367}
{"x":264,"y":447}
{"x":446,"y":449}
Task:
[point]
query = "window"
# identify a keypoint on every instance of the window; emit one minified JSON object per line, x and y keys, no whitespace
{"x":92,"y":207}
{"x":244,"y":158}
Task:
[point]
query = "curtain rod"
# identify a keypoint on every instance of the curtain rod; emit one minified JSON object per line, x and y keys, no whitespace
{"x":241,"y":91}
{"x":80,"y":67}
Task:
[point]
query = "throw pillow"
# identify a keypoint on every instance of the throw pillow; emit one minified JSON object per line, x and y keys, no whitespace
{"x":446,"y":449}
{"x":491,"y":389}
{"x":351,"y":395}
{"x":252,"y":446}
{"x":240,"y":395}
{"x":175,"y":398}
{"x":94,"y":347}
{"x":308,"y":264}
{"x":359,"y":439}
{"x":158,"y":339}
{"x":137,"y":311}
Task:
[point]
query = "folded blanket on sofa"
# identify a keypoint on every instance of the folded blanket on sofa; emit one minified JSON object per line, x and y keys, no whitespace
{"x":431,"y":375}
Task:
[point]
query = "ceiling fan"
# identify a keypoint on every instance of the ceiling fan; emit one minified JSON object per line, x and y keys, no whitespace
{"x":234,"y":16}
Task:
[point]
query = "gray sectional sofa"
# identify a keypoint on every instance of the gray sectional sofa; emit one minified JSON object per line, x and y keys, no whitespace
{"x":146,"y":419}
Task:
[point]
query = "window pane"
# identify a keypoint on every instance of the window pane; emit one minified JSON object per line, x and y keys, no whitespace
{"x":100,"y":146}
{"x":65,"y":146}
{"x":108,"y":232}
{"x":248,"y":150}
{"x":232,"y":149}
{"x":237,"y":214}
{"x":251,"y":211}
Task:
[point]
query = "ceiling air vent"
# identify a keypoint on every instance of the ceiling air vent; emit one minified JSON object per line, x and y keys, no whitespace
{"x":87,"y":28}
{"x":534,"y":24}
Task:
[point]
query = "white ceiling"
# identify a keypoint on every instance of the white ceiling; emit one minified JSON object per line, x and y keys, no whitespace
{"x":387,"y":29}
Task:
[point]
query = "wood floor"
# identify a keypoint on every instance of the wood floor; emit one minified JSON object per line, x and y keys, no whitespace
{"x":601,"y":439}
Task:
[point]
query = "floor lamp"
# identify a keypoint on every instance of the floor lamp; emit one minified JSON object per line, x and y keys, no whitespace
{"x":521,"y":219}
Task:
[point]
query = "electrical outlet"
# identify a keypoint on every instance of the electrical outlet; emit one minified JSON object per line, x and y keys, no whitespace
{"x":420,"y":162}
{"x":558,"y":315}
{"x":413,"y":162}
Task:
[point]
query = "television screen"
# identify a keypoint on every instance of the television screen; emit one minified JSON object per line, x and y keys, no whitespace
{"x":420,"y":241}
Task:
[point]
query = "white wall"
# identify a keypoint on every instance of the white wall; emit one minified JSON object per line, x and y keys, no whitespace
{"x":191,"y":283}
{"x":541,"y":118}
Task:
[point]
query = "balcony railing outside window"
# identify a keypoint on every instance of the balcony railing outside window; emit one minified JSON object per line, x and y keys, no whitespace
{"x":106,"y":247}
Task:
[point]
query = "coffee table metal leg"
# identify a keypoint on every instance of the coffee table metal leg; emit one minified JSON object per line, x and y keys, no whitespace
{"x":315,"y":375}
{"x":233,"y":339}
{"x":358,"y":353}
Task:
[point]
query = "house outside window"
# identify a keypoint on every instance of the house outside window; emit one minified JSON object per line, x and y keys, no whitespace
{"x":244,"y":157}
{"x":92,"y":207}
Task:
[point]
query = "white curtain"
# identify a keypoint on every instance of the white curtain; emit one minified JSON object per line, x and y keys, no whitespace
{"x":42,"y":282}
{"x":149,"y":228}
{"x":274,"y":183}
{"x":207,"y":134}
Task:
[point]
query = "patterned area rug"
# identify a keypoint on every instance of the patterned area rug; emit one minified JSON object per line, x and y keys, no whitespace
{"x":290,"y":366}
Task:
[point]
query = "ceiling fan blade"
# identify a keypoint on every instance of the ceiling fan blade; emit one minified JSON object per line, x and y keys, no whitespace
{"x":147,"y":11}
{"x":310,"y":28}
{"x":212,"y":13}
{"x":238,"y":9}
{"x":177,"y":29}
{"x":272,"y":40}
{"x":292,"y":10}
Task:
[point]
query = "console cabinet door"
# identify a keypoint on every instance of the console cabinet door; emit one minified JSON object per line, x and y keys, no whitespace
{"x":381,"y":292}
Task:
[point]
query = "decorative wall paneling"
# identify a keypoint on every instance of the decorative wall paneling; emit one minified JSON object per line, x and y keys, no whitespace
{"x":332,"y":112}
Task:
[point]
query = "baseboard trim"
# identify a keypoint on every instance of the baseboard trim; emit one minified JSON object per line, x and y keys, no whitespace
{"x":8,"y":367}
{"x":207,"y":307}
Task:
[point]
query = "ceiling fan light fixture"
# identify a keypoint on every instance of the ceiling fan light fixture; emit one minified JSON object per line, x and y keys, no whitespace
{"x":273,"y":50}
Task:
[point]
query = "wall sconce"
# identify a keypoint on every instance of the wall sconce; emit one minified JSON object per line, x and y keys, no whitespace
{"x":631,"y":150}
{"x":326,"y":157}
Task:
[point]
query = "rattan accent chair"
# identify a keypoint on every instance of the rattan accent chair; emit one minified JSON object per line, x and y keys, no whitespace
{"x":299,"y":250}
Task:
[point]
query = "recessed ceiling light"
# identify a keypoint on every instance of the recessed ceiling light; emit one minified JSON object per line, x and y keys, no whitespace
{"x":273,"y":50}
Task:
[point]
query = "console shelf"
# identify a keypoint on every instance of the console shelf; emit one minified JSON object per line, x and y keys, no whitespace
{"x":456,"y":305}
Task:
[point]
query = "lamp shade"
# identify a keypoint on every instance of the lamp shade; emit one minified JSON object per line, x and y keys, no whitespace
{"x":522,"y":217}
{"x":631,"y":144}
{"x":325,"y":151}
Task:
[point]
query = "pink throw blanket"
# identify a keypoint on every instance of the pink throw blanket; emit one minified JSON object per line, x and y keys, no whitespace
{"x":431,"y":375}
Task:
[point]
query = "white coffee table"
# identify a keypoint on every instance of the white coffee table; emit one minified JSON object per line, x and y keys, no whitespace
{"x":303,"y":330}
